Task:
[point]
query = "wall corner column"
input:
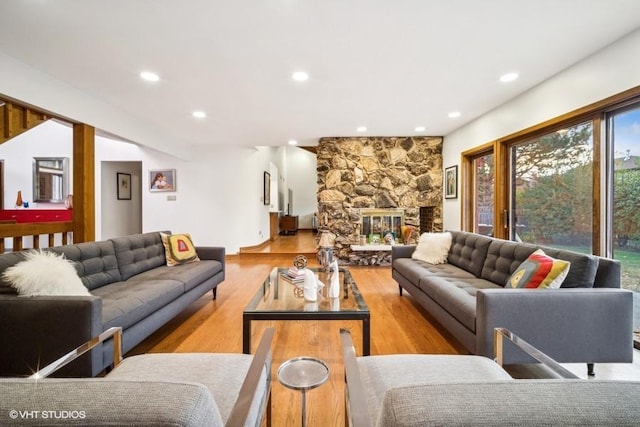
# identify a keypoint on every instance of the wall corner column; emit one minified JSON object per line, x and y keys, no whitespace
{"x":84,"y":229}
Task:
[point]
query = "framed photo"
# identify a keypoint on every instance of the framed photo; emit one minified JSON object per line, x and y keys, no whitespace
{"x":266,"y":192}
{"x":124,"y":186}
{"x":162,"y":180}
{"x":451,"y":182}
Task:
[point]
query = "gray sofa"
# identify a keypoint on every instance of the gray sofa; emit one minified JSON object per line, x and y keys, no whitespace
{"x":131,"y":287}
{"x":461,"y":390}
{"x":171,"y":389}
{"x":588,"y":319}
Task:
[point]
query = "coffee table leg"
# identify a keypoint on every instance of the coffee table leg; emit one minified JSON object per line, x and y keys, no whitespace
{"x":246,"y":335}
{"x":366,"y":337}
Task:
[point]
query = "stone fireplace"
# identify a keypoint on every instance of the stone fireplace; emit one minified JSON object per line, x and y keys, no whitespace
{"x":390,"y":180}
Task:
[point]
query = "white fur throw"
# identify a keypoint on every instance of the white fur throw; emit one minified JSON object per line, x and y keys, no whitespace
{"x":433,"y":248}
{"x":45,"y":273}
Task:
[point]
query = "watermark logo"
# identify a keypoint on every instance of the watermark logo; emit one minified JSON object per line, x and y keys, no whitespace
{"x":47,"y":415}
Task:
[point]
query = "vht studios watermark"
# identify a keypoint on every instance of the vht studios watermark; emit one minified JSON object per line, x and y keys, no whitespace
{"x":47,"y":415}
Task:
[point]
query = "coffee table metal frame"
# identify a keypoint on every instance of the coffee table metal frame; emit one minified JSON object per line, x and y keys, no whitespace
{"x":273,"y":284}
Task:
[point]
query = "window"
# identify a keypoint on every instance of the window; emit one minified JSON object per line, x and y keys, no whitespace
{"x":551,"y":189}
{"x":483,"y":194}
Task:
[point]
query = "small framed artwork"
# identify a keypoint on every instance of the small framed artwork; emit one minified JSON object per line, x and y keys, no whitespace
{"x":266,"y":190}
{"x":162,"y":180}
{"x":451,"y":182}
{"x":124,"y":186}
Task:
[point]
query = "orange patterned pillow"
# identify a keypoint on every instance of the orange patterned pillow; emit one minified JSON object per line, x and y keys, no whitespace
{"x":539,"y":271}
{"x":179,"y":249}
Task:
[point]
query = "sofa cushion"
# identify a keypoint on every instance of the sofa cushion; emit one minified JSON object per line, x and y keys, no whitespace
{"x":468,"y":251}
{"x":45,"y":273}
{"x":95,"y":262}
{"x":190,"y":275}
{"x":433,"y":248}
{"x":126,"y":303}
{"x":524,"y":402}
{"x":382,"y":373}
{"x":456,"y":295}
{"x":413,"y":270}
{"x":503,"y":258}
{"x":539,"y":271}
{"x":101,"y":402}
{"x":138,"y":253}
{"x":582,"y":273}
{"x":221,"y":373}
{"x":179,"y":249}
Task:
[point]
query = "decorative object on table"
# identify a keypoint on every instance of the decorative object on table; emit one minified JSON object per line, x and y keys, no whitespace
{"x":123,"y":186}
{"x":300,"y":262}
{"x":374,"y":239}
{"x":310,"y":286}
{"x":68,"y":201}
{"x":19,"y":199}
{"x":451,"y":182}
{"x":266,"y":188}
{"x":162,"y":180}
{"x":334,"y":284}
{"x":25,"y":204}
{"x":408,"y":234}
{"x":325,"y":253}
{"x":293,"y":275}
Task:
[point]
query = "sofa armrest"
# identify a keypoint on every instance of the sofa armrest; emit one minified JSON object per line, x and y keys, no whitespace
{"x":35,"y":331}
{"x":260,"y":364}
{"x":402,"y":251}
{"x":215,"y":253}
{"x":578,"y":325}
{"x":356,"y":406}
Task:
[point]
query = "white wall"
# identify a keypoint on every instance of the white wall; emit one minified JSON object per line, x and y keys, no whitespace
{"x":302,"y":179}
{"x":606,"y":73}
{"x":119,"y":217}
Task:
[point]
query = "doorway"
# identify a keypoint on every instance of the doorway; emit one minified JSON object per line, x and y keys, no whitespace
{"x":120,"y":216}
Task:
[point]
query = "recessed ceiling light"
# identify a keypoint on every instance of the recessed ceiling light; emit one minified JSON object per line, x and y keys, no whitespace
{"x":300,"y":76}
{"x":454,"y":114}
{"x":149,"y":76}
{"x":509,"y":77}
{"x":293,"y":142}
{"x":199,"y":114}
{"x":361,"y":129}
{"x":420,"y":128}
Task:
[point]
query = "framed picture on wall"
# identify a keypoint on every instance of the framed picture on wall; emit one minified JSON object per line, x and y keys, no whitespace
{"x":451,"y":182}
{"x":162,"y":180}
{"x":124,"y":186}
{"x":266,"y":191}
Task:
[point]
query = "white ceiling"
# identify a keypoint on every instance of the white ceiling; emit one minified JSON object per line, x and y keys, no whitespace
{"x":390,"y":65}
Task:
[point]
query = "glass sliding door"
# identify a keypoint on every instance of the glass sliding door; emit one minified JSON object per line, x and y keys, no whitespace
{"x":483,"y":193}
{"x":624,"y":134}
{"x":551,"y":189}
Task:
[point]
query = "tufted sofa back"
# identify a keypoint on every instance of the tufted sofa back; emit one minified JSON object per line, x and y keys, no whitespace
{"x":95,"y":262}
{"x":138,"y":253}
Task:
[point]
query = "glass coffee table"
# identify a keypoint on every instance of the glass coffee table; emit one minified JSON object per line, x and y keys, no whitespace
{"x":281,"y":299}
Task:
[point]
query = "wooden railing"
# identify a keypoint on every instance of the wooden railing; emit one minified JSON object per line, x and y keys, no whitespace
{"x":18,"y":231}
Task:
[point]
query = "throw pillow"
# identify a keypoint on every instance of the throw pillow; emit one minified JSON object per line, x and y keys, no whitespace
{"x":179,"y":249}
{"x":433,"y":248}
{"x":539,"y":271}
{"x":45,"y":273}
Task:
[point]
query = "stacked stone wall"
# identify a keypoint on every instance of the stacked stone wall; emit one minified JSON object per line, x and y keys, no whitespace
{"x":384,"y":172}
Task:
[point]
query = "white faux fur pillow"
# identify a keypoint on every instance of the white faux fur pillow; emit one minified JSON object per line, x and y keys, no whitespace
{"x":433,"y":248}
{"x":45,"y":273}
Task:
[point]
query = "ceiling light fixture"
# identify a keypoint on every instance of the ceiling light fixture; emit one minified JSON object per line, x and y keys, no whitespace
{"x":149,"y":76}
{"x":454,"y":114}
{"x":509,"y":77}
{"x":361,"y":129}
{"x":300,"y":76}
{"x":199,"y":114}
{"x":293,"y":142}
{"x":420,"y":128}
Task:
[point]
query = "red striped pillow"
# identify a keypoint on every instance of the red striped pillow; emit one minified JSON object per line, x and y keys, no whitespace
{"x":539,"y":271}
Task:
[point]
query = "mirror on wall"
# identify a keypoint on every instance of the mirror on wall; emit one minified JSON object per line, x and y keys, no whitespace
{"x":50,"y":179}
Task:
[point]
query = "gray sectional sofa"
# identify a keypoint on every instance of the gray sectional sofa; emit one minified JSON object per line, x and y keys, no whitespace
{"x":588,"y":319}
{"x":131,"y":287}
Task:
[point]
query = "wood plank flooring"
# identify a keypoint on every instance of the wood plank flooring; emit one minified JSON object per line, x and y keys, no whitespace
{"x":398,"y":325}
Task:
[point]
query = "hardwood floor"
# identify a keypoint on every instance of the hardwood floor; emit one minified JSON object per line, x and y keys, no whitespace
{"x":398,"y":325}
